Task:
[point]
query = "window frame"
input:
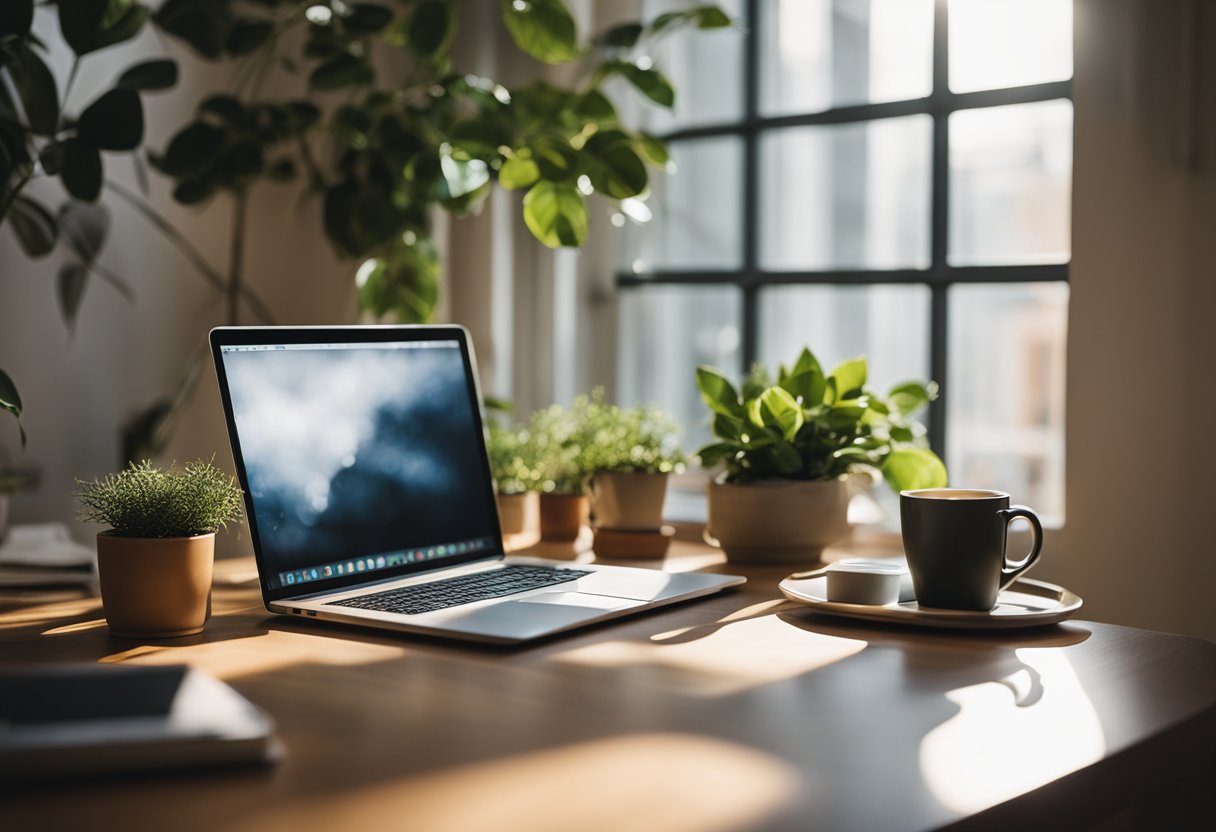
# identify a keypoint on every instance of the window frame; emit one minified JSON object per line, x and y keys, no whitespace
{"x":938,"y":276}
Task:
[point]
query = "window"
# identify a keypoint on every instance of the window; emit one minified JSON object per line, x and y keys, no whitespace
{"x":888,"y":177}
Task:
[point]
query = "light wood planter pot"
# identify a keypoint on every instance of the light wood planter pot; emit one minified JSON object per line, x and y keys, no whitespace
{"x":155,"y":587}
{"x":628,"y":501}
{"x":562,"y":516}
{"x":516,"y":512}
{"x":778,"y":521}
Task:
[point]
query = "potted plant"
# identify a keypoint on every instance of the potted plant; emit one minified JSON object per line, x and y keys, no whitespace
{"x":557,"y":444}
{"x":155,"y":560}
{"x":787,"y":447}
{"x":517,"y":478}
{"x":630,"y":451}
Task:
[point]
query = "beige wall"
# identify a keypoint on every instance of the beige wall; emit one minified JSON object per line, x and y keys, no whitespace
{"x":1138,"y":545}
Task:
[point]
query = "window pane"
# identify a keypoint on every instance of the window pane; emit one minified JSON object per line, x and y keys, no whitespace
{"x":1010,"y":184}
{"x":846,"y":196}
{"x":817,"y":54}
{"x":887,"y":324}
{"x":1006,"y":392}
{"x":705,"y":67}
{"x":665,"y":332}
{"x":1007,"y":43}
{"x":698,"y":211}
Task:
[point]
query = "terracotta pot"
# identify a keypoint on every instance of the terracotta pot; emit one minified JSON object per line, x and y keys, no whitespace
{"x":778,"y":521}
{"x":516,"y":512}
{"x":628,"y":501}
{"x":561,"y":517}
{"x":155,"y":587}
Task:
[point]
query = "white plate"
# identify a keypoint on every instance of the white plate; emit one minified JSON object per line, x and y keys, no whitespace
{"x":1026,"y":603}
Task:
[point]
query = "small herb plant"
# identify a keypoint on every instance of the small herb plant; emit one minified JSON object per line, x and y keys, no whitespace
{"x":146,"y":501}
{"x":640,"y":439}
{"x":556,"y":443}
{"x":809,"y":425}
{"x":513,"y":461}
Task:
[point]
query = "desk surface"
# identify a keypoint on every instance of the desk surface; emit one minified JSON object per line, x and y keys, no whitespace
{"x":741,"y":711}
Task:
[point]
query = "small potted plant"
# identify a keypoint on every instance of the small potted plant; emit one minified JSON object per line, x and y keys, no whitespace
{"x":788,"y":445}
{"x":517,"y":477}
{"x":630,"y":451}
{"x":557,"y":443}
{"x":154,"y":561}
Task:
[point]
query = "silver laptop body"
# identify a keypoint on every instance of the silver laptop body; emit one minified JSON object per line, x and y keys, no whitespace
{"x":361,"y":451}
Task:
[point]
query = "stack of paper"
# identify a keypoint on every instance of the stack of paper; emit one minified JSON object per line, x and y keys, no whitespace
{"x":41,"y":554}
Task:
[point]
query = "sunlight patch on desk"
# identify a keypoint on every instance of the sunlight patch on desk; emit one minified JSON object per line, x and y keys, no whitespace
{"x":728,"y":658}
{"x":48,"y":613}
{"x":77,"y":627}
{"x":1050,"y":730}
{"x":266,"y":653}
{"x":738,"y":615}
{"x":657,"y":782}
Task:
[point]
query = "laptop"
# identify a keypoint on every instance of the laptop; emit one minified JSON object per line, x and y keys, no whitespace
{"x":361,"y":451}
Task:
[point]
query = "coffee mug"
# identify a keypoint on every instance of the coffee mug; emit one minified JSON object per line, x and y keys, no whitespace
{"x":954,"y":540}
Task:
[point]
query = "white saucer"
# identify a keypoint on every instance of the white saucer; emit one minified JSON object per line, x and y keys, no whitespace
{"x":1026,"y":603}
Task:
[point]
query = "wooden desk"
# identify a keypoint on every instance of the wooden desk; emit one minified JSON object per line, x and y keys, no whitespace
{"x":735,"y":712}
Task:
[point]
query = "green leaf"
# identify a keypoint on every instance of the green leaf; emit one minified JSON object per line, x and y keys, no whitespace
{"x":518,"y":172}
{"x":907,"y":469}
{"x":849,"y":377}
{"x":84,"y":226}
{"x":556,"y":214}
{"x":34,"y":226}
{"x":463,"y":177}
{"x":79,"y":19}
{"x":160,"y":74}
{"x":36,"y":87}
{"x":653,"y":148}
{"x":10,"y":400}
{"x":342,"y":71}
{"x":778,"y":408}
{"x":623,"y":36}
{"x":430,"y":29}
{"x":194,"y":146}
{"x":227,"y":107}
{"x":785,"y":458}
{"x":911,"y":396}
{"x":282,"y":170}
{"x":81,"y":173}
{"x":727,"y":427}
{"x":191,"y":191}
{"x":403,"y":280}
{"x":367,"y":18}
{"x":718,"y":393}
{"x":203,"y":24}
{"x":703,"y":17}
{"x":555,"y":157}
{"x":650,"y":82}
{"x":615,"y":169}
{"x":73,"y":280}
{"x":247,"y":34}
{"x":113,"y":122}
{"x":544,"y":29}
{"x":712,"y":454}
{"x":122,"y":21}
{"x":16,"y":16}
{"x":809,"y":385}
{"x":595,"y":107}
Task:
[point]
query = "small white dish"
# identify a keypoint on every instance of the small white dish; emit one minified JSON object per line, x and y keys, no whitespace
{"x":1025,"y":603}
{"x":874,"y":581}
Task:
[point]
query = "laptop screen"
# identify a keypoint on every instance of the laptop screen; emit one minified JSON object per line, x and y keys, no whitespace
{"x":361,"y":459}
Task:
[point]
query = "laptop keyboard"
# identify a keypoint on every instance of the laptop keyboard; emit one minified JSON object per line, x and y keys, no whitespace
{"x":463,"y":589}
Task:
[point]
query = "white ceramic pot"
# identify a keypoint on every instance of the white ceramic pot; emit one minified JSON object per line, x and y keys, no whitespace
{"x":628,"y":501}
{"x":778,"y":521}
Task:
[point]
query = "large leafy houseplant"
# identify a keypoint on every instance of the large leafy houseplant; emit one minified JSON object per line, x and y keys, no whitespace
{"x":787,"y":443}
{"x":382,"y":149}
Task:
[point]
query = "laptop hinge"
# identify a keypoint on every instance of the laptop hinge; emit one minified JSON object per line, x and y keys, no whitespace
{"x":371,"y":584}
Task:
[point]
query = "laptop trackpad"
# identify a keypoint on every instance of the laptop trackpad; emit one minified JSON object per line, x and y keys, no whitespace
{"x":579,"y":599}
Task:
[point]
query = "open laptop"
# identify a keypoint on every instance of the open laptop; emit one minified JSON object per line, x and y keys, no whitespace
{"x":367,"y":488}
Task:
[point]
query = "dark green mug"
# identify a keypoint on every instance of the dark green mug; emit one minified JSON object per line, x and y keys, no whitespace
{"x":954,"y":539}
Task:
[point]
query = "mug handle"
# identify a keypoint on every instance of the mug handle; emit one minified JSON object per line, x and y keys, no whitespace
{"x":1010,"y":572}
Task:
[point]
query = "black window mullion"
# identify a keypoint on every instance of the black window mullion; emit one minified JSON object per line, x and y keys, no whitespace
{"x":751,"y":185}
{"x":938,"y":268}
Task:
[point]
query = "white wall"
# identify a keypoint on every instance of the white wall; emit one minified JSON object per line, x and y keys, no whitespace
{"x":1138,"y":545}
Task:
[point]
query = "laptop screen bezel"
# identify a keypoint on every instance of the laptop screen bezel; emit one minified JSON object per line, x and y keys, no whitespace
{"x":221,"y":337}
